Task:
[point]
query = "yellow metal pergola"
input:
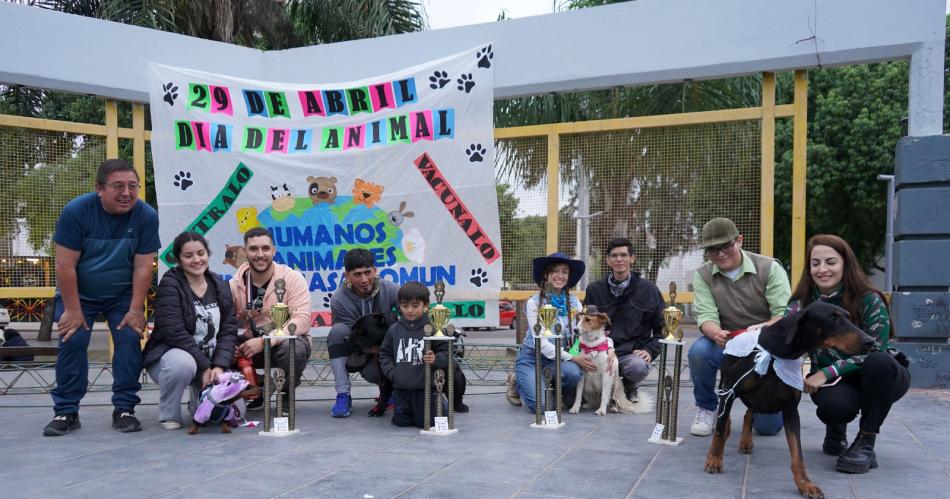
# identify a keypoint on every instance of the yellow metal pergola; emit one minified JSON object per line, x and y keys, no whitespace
{"x":766,"y":113}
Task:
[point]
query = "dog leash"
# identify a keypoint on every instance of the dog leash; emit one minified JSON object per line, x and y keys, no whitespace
{"x":730,"y":393}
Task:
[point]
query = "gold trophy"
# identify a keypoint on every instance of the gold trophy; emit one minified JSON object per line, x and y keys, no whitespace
{"x":672,"y":317}
{"x":438,"y":322}
{"x":547,"y":316}
{"x":438,"y":313}
{"x":279,"y":312}
{"x":280,"y":315}
{"x":668,"y":387}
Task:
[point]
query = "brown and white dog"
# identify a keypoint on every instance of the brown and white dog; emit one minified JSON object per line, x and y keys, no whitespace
{"x":601,"y":388}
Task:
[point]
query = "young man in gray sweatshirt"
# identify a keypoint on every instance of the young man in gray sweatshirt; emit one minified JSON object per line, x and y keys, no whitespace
{"x":362,"y":292}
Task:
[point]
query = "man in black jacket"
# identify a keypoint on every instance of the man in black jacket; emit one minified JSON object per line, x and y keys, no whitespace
{"x":635,"y":308}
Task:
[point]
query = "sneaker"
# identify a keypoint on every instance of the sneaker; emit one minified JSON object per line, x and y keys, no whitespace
{"x":171,"y":425}
{"x":341,"y":409}
{"x":124,"y":420}
{"x":704,"y":423}
{"x":512,"y":393}
{"x":61,"y":425}
{"x":391,"y":404}
{"x":256,"y":404}
{"x":634,"y":395}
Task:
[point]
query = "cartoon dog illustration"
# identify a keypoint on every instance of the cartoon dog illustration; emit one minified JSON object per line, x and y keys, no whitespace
{"x":234,"y":255}
{"x":247,"y":219}
{"x":283,"y":198}
{"x":366,"y":193}
{"x":322,"y":189}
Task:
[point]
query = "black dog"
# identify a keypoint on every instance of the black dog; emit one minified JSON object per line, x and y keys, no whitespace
{"x":818,"y":325}
{"x":363,"y":343}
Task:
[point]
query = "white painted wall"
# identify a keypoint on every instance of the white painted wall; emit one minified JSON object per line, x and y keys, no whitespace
{"x":647,"y":41}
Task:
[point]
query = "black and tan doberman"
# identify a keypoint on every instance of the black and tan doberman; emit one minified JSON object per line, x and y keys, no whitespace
{"x":820,"y":325}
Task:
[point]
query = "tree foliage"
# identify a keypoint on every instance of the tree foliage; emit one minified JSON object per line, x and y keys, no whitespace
{"x":856,"y":115}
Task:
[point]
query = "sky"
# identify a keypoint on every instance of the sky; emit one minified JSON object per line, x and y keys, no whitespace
{"x":453,"y":13}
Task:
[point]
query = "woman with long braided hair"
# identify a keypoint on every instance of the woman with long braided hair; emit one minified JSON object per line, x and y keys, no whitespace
{"x":555,"y":275}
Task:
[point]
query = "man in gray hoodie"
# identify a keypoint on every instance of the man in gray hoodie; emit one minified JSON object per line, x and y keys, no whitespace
{"x":363,"y":292}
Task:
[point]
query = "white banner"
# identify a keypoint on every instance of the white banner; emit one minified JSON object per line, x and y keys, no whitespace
{"x":400,"y":164}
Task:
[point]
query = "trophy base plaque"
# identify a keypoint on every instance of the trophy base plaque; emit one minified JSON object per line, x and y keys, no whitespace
{"x":661,"y":441}
{"x":437,"y":433}
{"x":673,"y":342}
{"x":274,"y":433}
{"x":547,"y":426}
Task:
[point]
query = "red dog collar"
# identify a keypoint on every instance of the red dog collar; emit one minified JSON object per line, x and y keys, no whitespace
{"x":603,"y":347}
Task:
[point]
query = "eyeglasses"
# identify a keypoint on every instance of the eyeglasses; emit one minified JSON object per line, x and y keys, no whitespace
{"x":721,"y":249}
{"x":131,"y":187}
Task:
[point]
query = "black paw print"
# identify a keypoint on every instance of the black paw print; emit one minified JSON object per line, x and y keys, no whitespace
{"x":484,"y":57}
{"x":465,"y":82}
{"x":476,"y":152}
{"x":326,"y":300}
{"x":479,"y":277}
{"x":171,"y":93}
{"x":183,"y":180}
{"x":438,"y":80}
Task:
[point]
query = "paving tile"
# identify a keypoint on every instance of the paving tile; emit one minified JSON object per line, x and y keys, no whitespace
{"x":654,"y":486}
{"x":345,"y":484}
{"x":403,"y":465}
{"x":497,"y":475}
{"x":590,"y":483}
{"x":495,"y":453}
{"x":432,"y":490}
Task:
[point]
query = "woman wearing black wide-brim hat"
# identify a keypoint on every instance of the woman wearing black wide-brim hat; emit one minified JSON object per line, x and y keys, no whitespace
{"x":555,"y":274}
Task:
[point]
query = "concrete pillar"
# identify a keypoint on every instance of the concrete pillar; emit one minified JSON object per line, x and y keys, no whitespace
{"x":921,"y":300}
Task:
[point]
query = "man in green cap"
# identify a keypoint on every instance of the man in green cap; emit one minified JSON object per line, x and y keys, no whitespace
{"x":733,"y":290}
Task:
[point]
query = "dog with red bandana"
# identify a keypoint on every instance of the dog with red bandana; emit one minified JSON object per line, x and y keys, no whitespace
{"x":600,"y":388}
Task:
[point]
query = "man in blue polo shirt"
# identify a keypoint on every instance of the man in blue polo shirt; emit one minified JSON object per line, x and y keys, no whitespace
{"x":105,"y":246}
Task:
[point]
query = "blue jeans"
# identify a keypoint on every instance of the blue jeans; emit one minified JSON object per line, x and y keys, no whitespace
{"x":705,"y":357}
{"x":524,"y":374}
{"x":72,"y":361}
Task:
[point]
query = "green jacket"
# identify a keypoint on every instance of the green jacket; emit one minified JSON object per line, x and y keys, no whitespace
{"x":875,"y":321}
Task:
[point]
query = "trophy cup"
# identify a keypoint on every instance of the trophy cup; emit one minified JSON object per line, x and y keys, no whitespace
{"x":438,"y":322}
{"x":280,"y":426}
{"x":549,"y":419}
{"x":668,"y":387}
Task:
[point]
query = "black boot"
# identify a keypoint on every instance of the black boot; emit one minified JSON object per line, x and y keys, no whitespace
{"x":836,"y":439}
{"x":860,"y":457}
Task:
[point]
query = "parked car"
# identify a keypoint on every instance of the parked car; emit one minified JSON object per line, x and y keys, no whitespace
{"x":506,"y":314}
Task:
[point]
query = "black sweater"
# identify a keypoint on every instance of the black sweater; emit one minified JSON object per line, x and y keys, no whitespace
{"x":175,"y":321}
{"x":636,"y":316}
{"x":400,"y":356}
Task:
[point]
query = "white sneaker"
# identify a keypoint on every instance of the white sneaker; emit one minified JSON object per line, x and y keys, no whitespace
{"x":171,"y":425}
{"x":704,"y":423}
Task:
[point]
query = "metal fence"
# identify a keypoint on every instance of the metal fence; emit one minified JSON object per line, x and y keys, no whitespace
{"x":563,"y":187}
{"x":653,"y":179}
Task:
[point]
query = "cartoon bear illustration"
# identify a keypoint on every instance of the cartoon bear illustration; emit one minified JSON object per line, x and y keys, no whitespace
{"x":322,"y":189}
{"x":247,"y":219}
{"x":283,"y":198}
{"x":366,"y":193}
{"x":234,"y":255}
